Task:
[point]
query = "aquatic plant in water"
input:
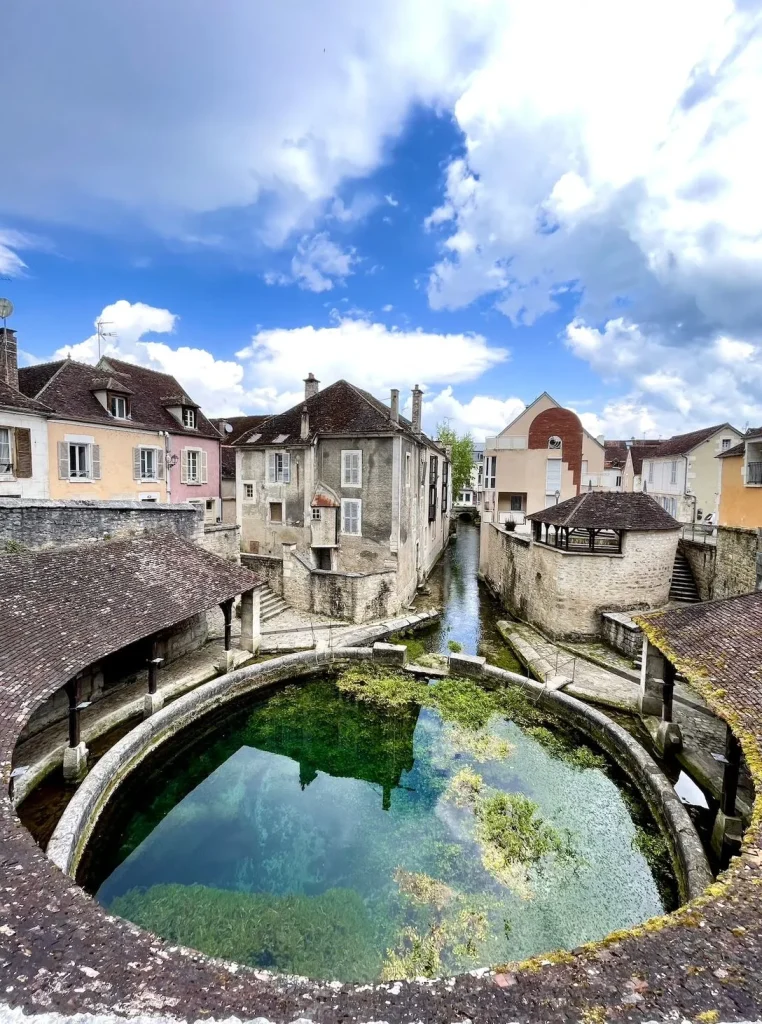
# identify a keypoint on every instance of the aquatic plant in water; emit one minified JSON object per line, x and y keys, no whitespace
{"x":482,"y":746}
{"x":454,"y":646}
{"x":558,"y":745}
{"x":464,"y":787}
{"x":424,"y":889}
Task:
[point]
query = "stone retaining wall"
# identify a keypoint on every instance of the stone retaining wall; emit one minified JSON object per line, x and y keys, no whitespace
{"x":702,"y":559}
{"x":223,"y":540}
{"x":351,"y":597}
{"x":42,"y":523}
{"x":621,"y":633}
{"x":268,"y":568}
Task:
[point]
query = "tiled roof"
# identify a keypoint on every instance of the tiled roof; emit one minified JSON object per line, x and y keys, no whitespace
{"x":340,"y":408}
{"x":614,"y":454}
{"x":89,"y":601}
{"x":722,"y":640}
{"x":681,"y":444}
{"x":641,"y":450}
{"x":608,"y":510}
{"x":10,"y":398}
{"x":241,"y":425}
{"x":68,"y":388}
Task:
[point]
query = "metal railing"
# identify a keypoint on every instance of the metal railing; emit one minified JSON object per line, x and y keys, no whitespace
{"x":699,"y":533}
{"x":519,"y":518}
{"x":754,"y":472}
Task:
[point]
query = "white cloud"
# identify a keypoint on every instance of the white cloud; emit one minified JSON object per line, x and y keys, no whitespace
{"x":11,"y":242}
{"x":482,"y":416}
{"x":319,"y":263}
{"x":391,"y":200}
{"x":368,"y":354}
{"x":214,"y":383}
{"x":387,"y":308}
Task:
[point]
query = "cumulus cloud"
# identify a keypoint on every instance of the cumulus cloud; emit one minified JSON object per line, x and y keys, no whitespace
{"x":317,"y":265}
{"x":481,"y":416}
{"x":214,"y":383}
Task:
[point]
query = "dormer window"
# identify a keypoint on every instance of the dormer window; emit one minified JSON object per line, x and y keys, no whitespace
{"x":554,"y":443}
{"x":189,"y":417}
{"x":117,"y":406}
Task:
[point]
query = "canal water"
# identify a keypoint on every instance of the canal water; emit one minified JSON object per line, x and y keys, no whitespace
{"x":363,"y":826}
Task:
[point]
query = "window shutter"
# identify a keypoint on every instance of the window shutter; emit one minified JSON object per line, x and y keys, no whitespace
{"x":95,"y":455}
{"x":135,"y":463}
{"x":184,"y":466}
{"x":203,"y":467}
{"x":286,"y":469}
{"x":271,"y":467}
{"x":23,"y":436}
{"x":63,"y":460}
{"x":159,"y":464}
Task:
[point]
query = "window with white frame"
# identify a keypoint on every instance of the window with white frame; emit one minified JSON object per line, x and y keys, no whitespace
{"x":148,"y":464}
{"x":316,"y":517}
{"x":189,"y":417}
{"x":248,"y":492}
{"x":117,"y":406}
{"x":408,"y":461}
{"x":351,"y":469}
{"x":351,"y":516}
{"x":79,"y":461}
{"x":278,"y":468}
{"x":6,"y":458}
{"x":650,"y":472}
{"x":194,"y":466}
{"x":489,"y":479}
{"x":673,"y":472}
{"x":725,"y":443}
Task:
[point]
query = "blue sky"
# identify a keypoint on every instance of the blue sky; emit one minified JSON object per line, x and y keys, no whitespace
{"x":487,"y":200}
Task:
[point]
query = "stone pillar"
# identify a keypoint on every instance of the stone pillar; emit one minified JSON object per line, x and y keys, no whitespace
{"x":668,"y":737}
{"x":728,"y":827}
{"x":75,"y":755}
{"x":227,"y":611}
{"x":251,"y":632}
{"x":651,"y":680}
{"x":153,"y":700}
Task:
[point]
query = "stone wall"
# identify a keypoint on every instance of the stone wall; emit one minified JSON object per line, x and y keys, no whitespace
{"x":224,"y":540}
{"x":621,"y":633}
{"x":565,"y":593}
{"x":268,"y":568}
{"x":738,"y":569}
{"x":39,"y":523}
{"x":353,"y":597}
{"x":702,"y":559}
{"x":121,"y":670}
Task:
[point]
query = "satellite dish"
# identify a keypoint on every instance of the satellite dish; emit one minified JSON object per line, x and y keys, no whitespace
{"x":6,"y":308}
{"x":228,"y":428}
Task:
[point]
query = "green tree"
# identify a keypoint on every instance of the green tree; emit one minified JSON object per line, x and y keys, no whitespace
{"x":462,"y":455}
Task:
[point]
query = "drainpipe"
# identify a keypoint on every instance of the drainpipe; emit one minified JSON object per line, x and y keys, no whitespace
{"x":167,"y":470}
{"x":685,"y":490}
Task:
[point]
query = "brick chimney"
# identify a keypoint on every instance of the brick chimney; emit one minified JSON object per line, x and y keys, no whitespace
{"x":311,"y":385}
{"x":305,"y":433}
{"x":417,"y":409}
{"x":9,"y":361}
{"x":394,"y":412}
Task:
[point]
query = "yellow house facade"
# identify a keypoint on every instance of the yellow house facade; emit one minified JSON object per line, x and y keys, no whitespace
{"x":741,"y":491}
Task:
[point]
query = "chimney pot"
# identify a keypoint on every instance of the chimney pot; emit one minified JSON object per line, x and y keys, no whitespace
{"x":311,"y":385}
{"x":305,"y":432}
{"x":417,"y":409}
{"x":394,"y":412}
{"x":9,"y":362}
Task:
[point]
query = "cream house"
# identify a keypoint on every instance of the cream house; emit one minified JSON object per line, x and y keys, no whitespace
{"x":23,"y":431}
{"x":684,"y":475}
{"x":543,"y":457}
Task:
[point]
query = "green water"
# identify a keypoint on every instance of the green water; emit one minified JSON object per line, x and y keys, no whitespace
{"x":318,"y":834}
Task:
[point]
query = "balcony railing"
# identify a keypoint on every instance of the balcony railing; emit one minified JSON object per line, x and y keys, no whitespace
{"x":754,"y":472}
{"x":519,"y":518}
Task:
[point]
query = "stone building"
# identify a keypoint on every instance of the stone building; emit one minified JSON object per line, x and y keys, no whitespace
{"x":230,"y":429}
{"x":543,"y":456}
{"x":598,"y":552}
{"x":117,"y":431}
{"x":353,"y":497}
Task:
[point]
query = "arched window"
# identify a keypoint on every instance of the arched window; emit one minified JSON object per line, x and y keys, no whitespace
{"x":554,"y":442}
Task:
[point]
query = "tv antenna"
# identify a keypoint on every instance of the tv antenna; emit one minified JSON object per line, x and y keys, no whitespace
{"x":102,"y":335}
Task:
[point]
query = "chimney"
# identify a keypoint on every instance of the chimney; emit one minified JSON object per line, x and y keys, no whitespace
{"x":305,"y":424}
{"x":394,"y":412}
{"x":417,"y":409}
{"x":9,"y":362}
{"x":311,"y":385}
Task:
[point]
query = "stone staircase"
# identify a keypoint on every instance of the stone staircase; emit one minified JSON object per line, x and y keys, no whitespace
{"x":683,"y":586}
{"x":270,"y":605}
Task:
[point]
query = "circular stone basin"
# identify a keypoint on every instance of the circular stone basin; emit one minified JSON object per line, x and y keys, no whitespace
{"x":321,"y":833}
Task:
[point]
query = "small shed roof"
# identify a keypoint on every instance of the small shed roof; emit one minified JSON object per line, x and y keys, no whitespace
{"x":65,"y":608}
{"x":714,"y":642}
{"x":608,"y":510}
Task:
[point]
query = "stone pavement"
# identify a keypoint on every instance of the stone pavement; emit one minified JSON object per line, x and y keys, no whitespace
{"x":703,"y":733}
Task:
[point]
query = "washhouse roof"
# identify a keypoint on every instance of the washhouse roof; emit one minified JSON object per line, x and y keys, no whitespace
{"x":608,"y":510}
{"x":341,"y":408}
{"x":714,"y":642}
{"x":68,"y":388}
{"x":65,"y":608}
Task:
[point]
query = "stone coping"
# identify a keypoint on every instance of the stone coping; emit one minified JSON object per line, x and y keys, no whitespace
{"x":61,"y":952}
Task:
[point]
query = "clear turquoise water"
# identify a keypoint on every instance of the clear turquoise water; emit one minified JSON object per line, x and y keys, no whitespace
{"x":279,"y":836}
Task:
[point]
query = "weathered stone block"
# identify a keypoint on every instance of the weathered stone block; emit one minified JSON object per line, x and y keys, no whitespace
{"x":668,"y":738}
{"x":727,"y":834}
{"x":390,"y":654}
{"x":152,"y":702}
{"x":466,"y":665}
{"x":75,"y":763}
{"x":651,"y":700}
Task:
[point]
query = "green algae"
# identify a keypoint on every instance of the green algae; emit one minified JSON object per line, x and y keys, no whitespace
{"x":558,"y":745}
{"x":464,"y":787}
{"x":454,"y":646}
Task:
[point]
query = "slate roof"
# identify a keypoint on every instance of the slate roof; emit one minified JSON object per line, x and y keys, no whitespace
{"x":68,"y":386}
{"x":66,"y":608}
{"x":608,"y":510}
{"x":341,"y":408}
{"x":10,"y":398}
{"x":681,"y":444}
{"x":720,"y":640}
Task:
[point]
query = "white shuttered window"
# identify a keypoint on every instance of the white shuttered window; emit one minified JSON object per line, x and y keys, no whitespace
{"x":351,"y":469}
{"x":278,"y":468}
{"x":351,"y":516}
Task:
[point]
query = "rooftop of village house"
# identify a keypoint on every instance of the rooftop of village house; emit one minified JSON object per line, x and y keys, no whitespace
{"x":11,"y":398}
{"x":616,"y":452}
{"x":68,"y":388}
{"x":681,"y":444}
{"x":65,"y":608}
{"x":239,"y":425}
{"x":341,"y":408}
{"x":739,"y":449}
{"x":607,"y":510}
